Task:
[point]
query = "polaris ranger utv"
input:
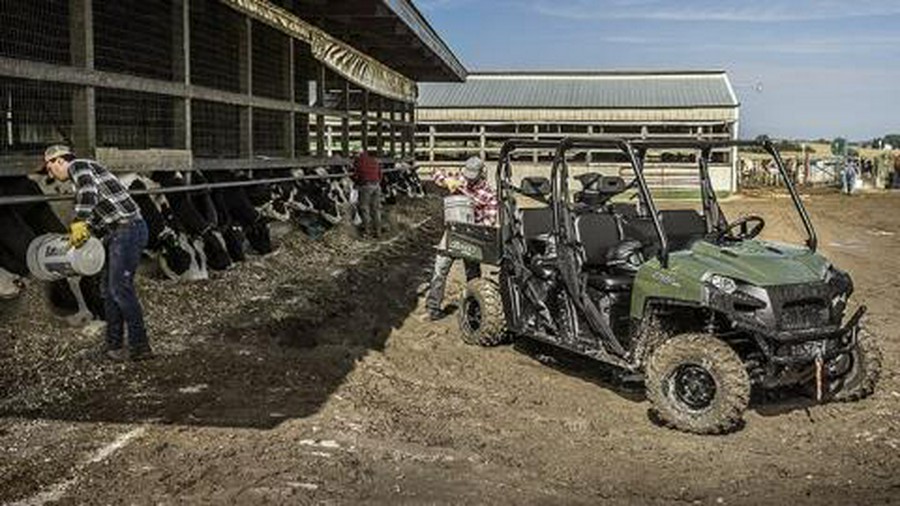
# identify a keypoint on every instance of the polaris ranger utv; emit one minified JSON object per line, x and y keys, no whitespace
{"x":691,"y":301}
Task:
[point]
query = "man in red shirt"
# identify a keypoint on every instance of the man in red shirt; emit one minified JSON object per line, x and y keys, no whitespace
{"x":367,"y":174}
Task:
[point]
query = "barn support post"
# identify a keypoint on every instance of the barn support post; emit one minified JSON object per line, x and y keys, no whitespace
{"x":393,"y":129}
{"x":320,"y":117}
{"x":364,"y":127}
{"x":482,"y":143}
{"x":290,"y":133}
{"x":181,"y":61}
{"x":345,"y":121}
{"x":245,"y":58}
{"x":84,"y":102}
{"x":379,"y":121}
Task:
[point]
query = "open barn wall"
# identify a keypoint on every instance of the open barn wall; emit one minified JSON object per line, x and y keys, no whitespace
{"x":207,"y":83}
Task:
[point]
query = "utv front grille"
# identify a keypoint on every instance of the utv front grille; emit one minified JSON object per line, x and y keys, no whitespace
{"x":802,"y":306}
{"x":804,"y":314}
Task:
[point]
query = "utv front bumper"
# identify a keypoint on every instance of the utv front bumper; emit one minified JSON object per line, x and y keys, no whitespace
{"x":825,"y":344}
{"x":793,"y":324}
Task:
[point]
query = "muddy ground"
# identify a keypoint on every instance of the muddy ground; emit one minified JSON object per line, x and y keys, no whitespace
{"x":307,"y":377}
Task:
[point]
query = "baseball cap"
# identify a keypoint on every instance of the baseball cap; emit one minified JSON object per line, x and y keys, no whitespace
{"x":54,"y":151}
{"x":473,"y":169}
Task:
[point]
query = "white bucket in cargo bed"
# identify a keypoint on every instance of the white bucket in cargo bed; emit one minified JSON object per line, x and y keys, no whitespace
{"x":458,"y":208}
{"x":51,"y":258}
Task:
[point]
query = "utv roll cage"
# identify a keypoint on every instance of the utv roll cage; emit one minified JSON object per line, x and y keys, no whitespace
{"x":636,"y":150}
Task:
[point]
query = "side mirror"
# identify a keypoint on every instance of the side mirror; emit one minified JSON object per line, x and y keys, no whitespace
{"x":536,"y":186}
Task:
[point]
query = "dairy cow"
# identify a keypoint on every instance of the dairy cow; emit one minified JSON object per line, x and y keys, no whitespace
{"x":78,"y":300}
{"x":239,"y":219}
{"x":194,"y":213}
{"x":177,"y":258}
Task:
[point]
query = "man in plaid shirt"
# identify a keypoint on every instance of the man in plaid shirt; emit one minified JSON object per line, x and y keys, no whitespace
{"x":104,"y":207}
{"x":472,"y":183}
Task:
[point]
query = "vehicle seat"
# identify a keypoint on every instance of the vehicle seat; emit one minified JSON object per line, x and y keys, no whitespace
{"x":536,"y":224}
{"x":537,"y":221}
{"x":683,"y":227}
{"x":597,"y":233}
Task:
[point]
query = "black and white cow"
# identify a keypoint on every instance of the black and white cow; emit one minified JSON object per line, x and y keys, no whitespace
{"x":194,"y":213}
{"x":77,"y":300}
{"x":177,"y":258}
{"x":239,"y":219}
{"x":402,"y":179}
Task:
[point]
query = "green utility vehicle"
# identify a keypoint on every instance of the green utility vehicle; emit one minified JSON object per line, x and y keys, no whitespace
{"x":692,"y":302}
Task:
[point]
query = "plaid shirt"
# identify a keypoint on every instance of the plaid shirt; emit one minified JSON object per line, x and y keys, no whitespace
{"x":484,"y":199}
{"x":100,"y":198}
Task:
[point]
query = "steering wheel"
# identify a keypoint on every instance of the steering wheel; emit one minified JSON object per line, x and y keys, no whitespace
{"x":748,"y":227}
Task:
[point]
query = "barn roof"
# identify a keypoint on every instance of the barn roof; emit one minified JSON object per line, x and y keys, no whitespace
{"x":582,"y":90}
{"x":393,"y":31}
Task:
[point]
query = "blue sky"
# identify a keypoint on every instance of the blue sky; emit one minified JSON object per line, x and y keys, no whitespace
{"x":826,"y":68}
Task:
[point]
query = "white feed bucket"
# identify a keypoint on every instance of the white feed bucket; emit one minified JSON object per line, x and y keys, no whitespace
{"x":458,"y":208}
{"x":51,"y":258}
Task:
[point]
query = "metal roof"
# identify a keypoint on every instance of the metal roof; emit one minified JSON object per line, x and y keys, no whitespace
{"x":582,"y":90}
{"x":393,"y":31}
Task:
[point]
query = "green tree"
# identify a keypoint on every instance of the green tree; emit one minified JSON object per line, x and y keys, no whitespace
{"x":839,"y":146}
{"x":892,"y":139}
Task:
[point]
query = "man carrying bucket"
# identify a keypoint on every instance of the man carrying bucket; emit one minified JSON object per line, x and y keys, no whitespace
{"x":104,"y":208}
{"x":474,"y":185}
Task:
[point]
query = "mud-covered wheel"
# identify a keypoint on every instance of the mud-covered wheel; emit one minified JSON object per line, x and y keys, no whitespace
{"x":481,"y":319}
{"x":698,"y":384}
{"x":864,"y":372}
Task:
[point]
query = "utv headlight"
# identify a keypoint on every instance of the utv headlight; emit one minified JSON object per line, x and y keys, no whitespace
{"x":722,"y":283}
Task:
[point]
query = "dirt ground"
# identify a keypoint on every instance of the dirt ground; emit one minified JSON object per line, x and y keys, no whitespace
{"x":307,"y":377}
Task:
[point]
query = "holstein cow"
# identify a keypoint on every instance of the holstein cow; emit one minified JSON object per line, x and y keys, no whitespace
{"x":177,"y":258}
{"x":77,"y":300}
{"x":239,"y":219}
{"x":403,"y":181}
{"x":195,"y":214}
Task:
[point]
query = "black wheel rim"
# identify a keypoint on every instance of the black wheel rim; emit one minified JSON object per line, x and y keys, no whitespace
{"x":693,"y":386}
{"x":472,"y":314}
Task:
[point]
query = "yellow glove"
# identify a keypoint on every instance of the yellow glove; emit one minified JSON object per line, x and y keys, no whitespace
{"x":79,"y":233}
{"x":453,"y":184}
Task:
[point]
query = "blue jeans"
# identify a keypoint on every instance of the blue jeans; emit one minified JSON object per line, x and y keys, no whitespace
{"x":124,"y":245}
{"x":442,"y":265}
{"x":370,"y":208}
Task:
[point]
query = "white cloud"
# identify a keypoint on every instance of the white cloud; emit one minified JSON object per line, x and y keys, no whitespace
{"x":715,"y":10}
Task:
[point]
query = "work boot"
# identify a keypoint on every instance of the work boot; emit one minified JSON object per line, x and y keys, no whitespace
{"x":115,"y":354}
{"x":141,"y":354}
{"x":433,"y":315}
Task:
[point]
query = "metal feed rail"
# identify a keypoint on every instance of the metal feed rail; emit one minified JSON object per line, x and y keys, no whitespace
{"x":28,"y":199}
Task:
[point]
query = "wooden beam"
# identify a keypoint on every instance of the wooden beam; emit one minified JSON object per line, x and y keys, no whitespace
{"x":181,"y":61}
{"x":84,"y":99}
{"x":379,"y":139}
{"x":290,"y":132}
{"x":64,"y":74}
{"x":345,"y":121}
{"x":320,"y":118}
{"x":364,"y":127}
{"x":393,"y":129}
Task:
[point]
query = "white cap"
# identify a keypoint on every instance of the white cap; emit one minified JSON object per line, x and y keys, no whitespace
{"x":473,"y":169}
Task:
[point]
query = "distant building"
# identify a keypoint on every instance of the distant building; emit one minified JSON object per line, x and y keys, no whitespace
{"x":475,"y":117}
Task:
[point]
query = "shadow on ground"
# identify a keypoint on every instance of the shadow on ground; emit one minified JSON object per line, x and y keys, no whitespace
{"x":257,"y":372}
